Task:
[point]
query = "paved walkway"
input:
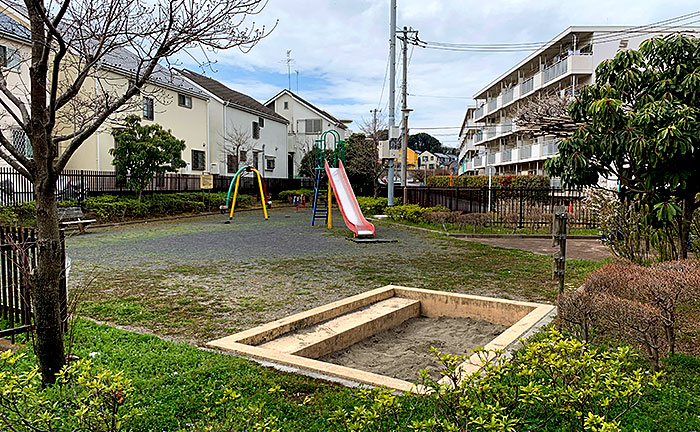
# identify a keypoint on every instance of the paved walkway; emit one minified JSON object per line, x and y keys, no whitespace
{"x":588,"y":249}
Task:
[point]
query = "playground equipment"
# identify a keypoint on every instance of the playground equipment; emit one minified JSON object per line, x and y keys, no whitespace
{"x":331,"y":179}
{"x":236,"y":180}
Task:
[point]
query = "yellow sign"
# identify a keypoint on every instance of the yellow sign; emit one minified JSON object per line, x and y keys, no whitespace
{"x":206,"y":181}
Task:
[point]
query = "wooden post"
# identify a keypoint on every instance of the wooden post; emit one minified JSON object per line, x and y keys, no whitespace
{"x":559,"y":230}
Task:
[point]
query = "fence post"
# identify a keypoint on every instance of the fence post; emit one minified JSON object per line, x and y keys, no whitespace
{"x":520,"y":224}
{"x":83,"y":189}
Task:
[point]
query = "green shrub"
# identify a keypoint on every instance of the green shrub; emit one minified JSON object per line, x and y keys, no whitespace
{"x":517,"y":181}
{"x":85,"y":397}
{"x":552,"y":384}
{"x":372,"y":206}
{"x":412,"y":212}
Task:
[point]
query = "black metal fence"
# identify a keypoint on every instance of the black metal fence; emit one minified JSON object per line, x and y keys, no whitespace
{"x":79,"y":184}
{"x":17,"y":262}
{"x":518,"y":207}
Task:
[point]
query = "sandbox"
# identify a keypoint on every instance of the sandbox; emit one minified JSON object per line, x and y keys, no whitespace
{"x":381,"y":337}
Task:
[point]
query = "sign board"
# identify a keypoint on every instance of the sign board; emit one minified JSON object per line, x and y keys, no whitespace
{"x":206,"y":181}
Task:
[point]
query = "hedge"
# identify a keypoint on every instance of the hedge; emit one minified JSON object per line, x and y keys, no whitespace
{"x":110,"y":208}
{"x":412,"y":212}
{"x":290,"y":194}
{"x":518,"y":181}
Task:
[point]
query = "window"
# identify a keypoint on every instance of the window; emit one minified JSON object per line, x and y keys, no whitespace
{"x":21,"y":142}
{"x":198,"y":162}
{"x":256,"y":160}
{"x":244,"y":157}
{"x":269,"y":164}
{"x":10,"y":58}
{"x":261,"y":122}
{"x":148,"y":108}
{"x":184,"y":100}
{"x":286,"y":105}
{"x":313,"y":126}
{"x":256,"y":130}
{"x":231,"y":163}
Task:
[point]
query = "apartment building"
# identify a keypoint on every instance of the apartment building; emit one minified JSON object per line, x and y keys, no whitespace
{"x":306,"y":123}
{"x":489,"y":138}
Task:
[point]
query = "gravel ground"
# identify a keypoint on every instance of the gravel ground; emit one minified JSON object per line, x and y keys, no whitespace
{"x":199,"y":279}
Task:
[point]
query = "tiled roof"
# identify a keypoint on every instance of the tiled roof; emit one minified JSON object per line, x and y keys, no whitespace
{"x":11,"y":27}
{"x":229,"y":95}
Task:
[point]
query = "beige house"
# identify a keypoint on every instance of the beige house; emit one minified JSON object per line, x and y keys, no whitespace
{"x":167,"y":99}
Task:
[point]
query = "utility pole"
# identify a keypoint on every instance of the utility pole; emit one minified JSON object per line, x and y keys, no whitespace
{"x":392,"y":99}
{"x":406,"y":33}
{"x":374,"y":113}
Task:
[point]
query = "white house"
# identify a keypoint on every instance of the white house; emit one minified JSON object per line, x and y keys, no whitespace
{"x":306,"y":123}
{"x":242,"y":131}
{"x":427,"y":160}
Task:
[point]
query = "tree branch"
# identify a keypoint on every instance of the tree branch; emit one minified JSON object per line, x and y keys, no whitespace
{"x":13,"y":162}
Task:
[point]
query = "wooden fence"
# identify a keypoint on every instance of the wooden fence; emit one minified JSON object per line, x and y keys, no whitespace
{"x":17,"y":261}
{"x":79,"y":184}
{"x":521,"y":207}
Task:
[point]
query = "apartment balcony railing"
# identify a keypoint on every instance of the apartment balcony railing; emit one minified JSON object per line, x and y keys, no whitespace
{"x":479,"y":112}
{"x":478,"y":162}
{"x":507,"y":128}
{"x":478,"y":137}
{"x":508,"y":96}
{"x":507,"y":155}
{"x":489,"y":132}
{"x":492,"y":104}
{"x":492,"y":158}
{"x":527,"y":86}
{"x":525,"y":152}
{"x":550,"y":147}
{"x":555,"y":70}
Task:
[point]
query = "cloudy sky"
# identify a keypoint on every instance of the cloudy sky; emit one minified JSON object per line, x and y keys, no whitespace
{"x":340,"y":48}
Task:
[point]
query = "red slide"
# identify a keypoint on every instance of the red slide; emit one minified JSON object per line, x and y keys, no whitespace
{"x":347,"y":201}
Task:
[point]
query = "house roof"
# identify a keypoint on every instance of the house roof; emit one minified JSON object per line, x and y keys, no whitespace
{"x":238,"y":99}
{"x":327,"y":115}
{"x":127,"y":63}
{"x":12,"y":29}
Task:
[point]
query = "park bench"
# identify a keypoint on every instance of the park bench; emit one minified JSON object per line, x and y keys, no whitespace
{"x":70,"y":216}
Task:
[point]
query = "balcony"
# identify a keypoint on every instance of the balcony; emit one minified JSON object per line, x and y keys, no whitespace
{"x":525,"y":152}
{"x":478,"y":137}
{"x":507,"y":155}
{"x":492,"y":104}
{"x":489,"y":132}
{"x":527,"y":86}
{"x":492,"y":158}
{"x":557,"y":69}
{"x":479,"y":112}
{"x":508,"y":96}
{"x":478,"y":162}
{"x":550,"y":147}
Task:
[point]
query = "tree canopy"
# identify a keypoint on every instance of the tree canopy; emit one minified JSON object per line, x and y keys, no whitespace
{"x":141,"y":152}
{"x":421,"y":142}
{"x":640,"y":123}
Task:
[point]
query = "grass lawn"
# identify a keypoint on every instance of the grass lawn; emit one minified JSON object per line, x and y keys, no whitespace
{"x":197,"y":280}
{"x":470,"y":229}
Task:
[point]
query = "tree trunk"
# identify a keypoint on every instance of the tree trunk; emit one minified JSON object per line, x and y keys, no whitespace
{"x":688,"y":208}
{"x":47,"y":305}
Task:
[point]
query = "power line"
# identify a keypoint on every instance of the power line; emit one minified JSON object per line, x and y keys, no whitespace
{"x":607,"y":36}
{"x":439,"y":97}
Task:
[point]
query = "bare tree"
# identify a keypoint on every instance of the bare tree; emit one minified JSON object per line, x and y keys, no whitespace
{"x":546,"y":114}
{"x":236,"y":141}
{"x":73,"y":42}
{"x":375,"y":128}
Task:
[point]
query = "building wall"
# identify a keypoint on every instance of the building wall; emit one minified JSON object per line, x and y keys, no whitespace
{"x":189,"y":124}
{"x":222,"y":121}
{"x":17,"y":81}
{"x":298,"y":141}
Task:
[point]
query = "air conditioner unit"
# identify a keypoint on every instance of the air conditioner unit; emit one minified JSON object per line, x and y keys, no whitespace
{"x":214,"y":168}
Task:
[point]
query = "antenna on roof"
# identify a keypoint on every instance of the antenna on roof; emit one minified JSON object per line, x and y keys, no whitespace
{"x":297,"y":72}
{"x":289,"y":60}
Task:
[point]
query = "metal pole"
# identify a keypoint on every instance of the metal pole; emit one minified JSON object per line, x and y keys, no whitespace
{"x":404,"y":111}
{"x":392,"y":98}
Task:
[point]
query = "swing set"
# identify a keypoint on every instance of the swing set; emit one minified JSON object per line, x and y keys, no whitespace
{"x":236,"y":180}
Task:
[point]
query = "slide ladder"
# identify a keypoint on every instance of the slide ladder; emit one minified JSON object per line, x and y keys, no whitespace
{"x":320,"y":208}
{"x":347,"y":202}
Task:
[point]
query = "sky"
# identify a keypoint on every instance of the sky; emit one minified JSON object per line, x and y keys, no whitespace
{"x":340,"y":48}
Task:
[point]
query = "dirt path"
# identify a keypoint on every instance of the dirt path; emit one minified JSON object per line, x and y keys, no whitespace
{"x":587,"y":249}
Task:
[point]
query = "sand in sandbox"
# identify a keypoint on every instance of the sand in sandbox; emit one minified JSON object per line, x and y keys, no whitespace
{"x":402,"y":351}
